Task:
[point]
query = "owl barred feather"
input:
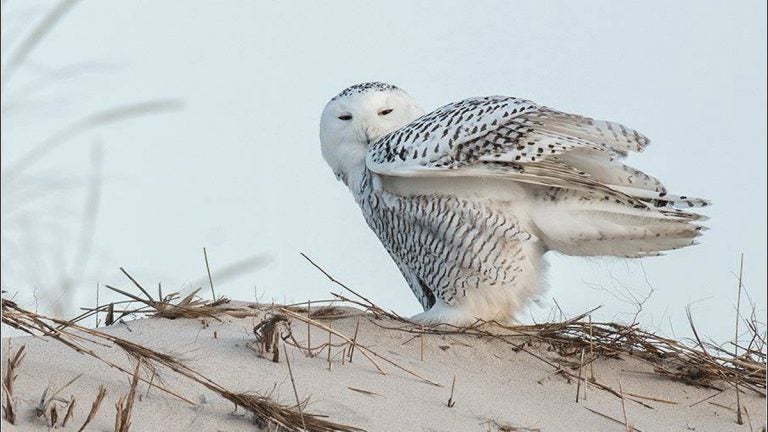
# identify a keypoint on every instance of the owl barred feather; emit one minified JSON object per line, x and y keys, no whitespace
{"x":468,"y":198}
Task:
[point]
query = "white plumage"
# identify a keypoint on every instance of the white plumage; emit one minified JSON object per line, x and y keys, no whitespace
{"x":468,"y":198}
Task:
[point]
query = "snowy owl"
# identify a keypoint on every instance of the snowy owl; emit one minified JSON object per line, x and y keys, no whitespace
{"x":468,"y":198}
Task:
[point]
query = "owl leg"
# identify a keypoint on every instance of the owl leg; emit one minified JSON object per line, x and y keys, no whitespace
{"x":443,"y":313}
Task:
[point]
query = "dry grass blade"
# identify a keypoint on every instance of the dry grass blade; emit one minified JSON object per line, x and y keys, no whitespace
{"x":719,"y":392}
{"x":124,"y":407}
{"x":94,"y":407}
{"x":368,"y":304}
{"x":210,"y":279}
{"x":309,"y":328}
{"x":101,"y":118}
{"x":606,"y":416}
{"x":749,"y":419}
{"x":70,"y":411}
{"x":330,"y":346}
{"x":650,"y":398}
{"x":421,"y":346}
{"x":354,"y":340}
{"x":739,"y":419}
{"x":34,"y":37}
{"x":188,"y":299}
{"x":110,"y":318}
{"x":9,"y":378}
{"x":138,"y":285}
{"x":365,"y":392}
{"x":330,"y":313}
{"x":624,"y":409}
{"x":293,"y":384}
{"x":53,"y":416}
{"x":506,"y":427}
{"x":578,"y":380}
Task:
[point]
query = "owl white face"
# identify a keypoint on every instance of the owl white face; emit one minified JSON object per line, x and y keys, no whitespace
{"x":356,"y":118}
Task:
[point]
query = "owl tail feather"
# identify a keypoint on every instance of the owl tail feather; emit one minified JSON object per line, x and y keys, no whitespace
{"x":617,"y":230}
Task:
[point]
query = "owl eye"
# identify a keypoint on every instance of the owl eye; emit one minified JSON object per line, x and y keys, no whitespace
{"x":345,"y":117}
{"x":385,"y":112}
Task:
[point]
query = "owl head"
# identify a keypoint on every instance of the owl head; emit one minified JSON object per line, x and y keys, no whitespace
{"x":357,"y":117}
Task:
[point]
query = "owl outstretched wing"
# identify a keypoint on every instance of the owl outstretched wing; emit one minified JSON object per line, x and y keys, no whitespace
{"x":514,"y":138}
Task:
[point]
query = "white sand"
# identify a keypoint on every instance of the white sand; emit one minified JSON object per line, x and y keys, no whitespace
{"x":492,"y":383}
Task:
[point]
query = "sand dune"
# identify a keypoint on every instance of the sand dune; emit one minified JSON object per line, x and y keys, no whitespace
{"x":498,"y":385}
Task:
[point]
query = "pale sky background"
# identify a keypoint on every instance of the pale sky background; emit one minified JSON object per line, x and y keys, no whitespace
{"x":238,"y":169}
